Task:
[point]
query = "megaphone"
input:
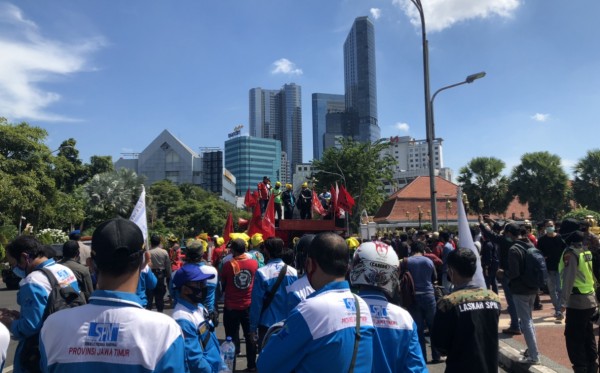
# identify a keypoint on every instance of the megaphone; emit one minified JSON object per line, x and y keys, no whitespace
{"x":242,"y":223}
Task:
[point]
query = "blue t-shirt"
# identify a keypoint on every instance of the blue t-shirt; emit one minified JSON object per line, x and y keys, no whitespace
{"x":421,"y":269}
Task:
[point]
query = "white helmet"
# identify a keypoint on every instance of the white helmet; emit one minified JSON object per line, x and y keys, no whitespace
{"x":375,"y":264}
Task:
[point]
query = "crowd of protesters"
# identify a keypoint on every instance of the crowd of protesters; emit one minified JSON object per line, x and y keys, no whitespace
{"x":302,"y":304}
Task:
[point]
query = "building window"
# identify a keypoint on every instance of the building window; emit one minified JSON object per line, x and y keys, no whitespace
{"x":172,"y":157}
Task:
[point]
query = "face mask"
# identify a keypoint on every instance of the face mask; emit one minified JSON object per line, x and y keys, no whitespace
{"x":509,"y":239}
{"x":19,"y":272}
{"x":549,"y":229}
{"x":197,"y":295}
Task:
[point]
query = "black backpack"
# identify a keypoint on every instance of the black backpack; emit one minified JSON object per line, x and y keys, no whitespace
{"x":535,"y":273}
{"x":59,"y":298}
{"x":406,"y":293}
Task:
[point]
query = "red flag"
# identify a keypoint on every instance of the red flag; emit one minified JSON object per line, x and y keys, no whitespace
{"x":316,"y":204}
{"x":333,"y":204}
{"x":249,"y":199}
{"x":228,"y":229}
{"x":266,"y":225}
{"x":345,"y":200}
{"x":255,"y":224}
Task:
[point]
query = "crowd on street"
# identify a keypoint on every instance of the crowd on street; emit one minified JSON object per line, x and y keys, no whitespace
{"x":318,"y":303}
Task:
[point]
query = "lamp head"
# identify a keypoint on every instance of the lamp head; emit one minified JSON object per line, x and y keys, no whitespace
{"x":471,"y":78}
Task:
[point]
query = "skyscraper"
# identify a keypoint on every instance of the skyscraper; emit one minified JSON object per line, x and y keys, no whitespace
{"x":360,"y":81}
{"x":250,"y":158}
{"x":277,"y":114}
{"x":323,"y":106}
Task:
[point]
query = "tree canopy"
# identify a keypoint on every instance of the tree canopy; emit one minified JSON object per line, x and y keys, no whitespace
{"x":482,"y":179}
{"x":363,"y":169}
{"x":586,"y":185}
{"x":541,"y":182}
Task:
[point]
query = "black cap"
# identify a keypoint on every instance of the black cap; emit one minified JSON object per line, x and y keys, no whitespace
{"x":569,"y":225}
{"x":574,"y":237}
{"x":116,"y":240}
{"x":512,"y":228}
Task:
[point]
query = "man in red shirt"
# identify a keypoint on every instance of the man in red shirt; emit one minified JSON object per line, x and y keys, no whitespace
{"x":237,"y":278}
{"x":264,"y":189}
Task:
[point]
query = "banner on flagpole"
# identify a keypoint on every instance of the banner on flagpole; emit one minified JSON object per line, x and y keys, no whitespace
{"x":138,"y":215}
{"x":465,"y":240}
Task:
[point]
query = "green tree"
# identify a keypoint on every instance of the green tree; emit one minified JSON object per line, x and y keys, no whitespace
{"x":166,"y":196}
{"x":581,"y":214}
{"x":363,"y":167}
{"x":26,"y":184}
{"x":482,"y":179}
{"x":99,"y":164}
{"x":68,"y":170}
{"x":111,"y":194}
{"x":586,"y":186}
{"x":541,"y":182}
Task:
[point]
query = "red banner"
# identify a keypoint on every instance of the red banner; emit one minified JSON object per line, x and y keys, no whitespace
{"x":228,"y":229}
{"x":249,"y":199}
{"x":316,"y":205}
{"x":345,"y":200}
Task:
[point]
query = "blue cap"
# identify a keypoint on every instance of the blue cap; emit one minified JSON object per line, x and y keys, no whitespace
{"x":189,"y":272}
{"x":76,"y":231}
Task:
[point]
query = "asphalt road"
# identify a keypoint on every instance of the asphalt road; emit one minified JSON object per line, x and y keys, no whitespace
{"x":8,"y":299}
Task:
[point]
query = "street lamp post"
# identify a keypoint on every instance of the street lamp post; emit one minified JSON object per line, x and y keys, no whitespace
{"x":431,"y":138}
{"x":20,"y":223}
{"x":428,"y":113}
{"x":448,"y":207}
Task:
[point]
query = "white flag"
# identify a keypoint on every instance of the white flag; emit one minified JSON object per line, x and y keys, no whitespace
{"x":465,"y":240}
{"x":138,"y":216}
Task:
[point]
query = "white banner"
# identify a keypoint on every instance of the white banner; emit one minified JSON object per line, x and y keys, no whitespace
{"x":465,"y":240}
{"x":138,"y":215}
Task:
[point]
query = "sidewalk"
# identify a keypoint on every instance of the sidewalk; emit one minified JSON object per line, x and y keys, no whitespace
{"x":550,"y":340}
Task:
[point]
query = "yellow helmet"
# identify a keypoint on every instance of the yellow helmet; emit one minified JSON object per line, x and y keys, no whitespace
{"x":288,"y":186}
{"x":220,"y":241}
{"x":277,"y":183}
{"x":257,"y":239}
{"x":352,"y":243}
{"x":305,"y":185}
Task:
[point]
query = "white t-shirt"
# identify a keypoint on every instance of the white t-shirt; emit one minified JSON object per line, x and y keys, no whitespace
{"x":4,"y":341}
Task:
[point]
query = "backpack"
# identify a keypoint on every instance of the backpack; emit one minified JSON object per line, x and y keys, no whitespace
{"x":535,"y":273}
{"x":406,"y":294}
{"x":59,"y":298}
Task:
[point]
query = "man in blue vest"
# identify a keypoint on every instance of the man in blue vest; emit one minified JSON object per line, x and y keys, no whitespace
{"x":320,"y":334}
{"x":27,"y":255}
{"x":114,"y":332}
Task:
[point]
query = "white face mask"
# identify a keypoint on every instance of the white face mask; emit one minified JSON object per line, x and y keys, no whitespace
{"x":550,"y":230}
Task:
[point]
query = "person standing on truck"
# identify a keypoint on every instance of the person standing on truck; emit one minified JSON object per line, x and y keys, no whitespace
{"x":277,"y":192}
{"x":264,"y":190}
{"x":289,"y":201}
{"x":305,"y":202}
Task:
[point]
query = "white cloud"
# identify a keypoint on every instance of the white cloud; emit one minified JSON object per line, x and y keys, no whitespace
{"x":285,"y":66}
{"x":404,"y":127}
{"x":28,"y":60}
{"x":375,"y":13}
{"x":441,"y":14}
{"x":538,"y":117}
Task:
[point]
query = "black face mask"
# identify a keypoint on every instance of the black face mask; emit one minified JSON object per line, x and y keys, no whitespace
{"x":197,"y":295}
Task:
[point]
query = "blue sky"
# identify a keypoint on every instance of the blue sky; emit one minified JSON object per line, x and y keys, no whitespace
{"x":113,"y":74}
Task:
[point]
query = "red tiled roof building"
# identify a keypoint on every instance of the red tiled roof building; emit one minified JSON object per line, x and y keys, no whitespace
{"x":402,"y":207}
